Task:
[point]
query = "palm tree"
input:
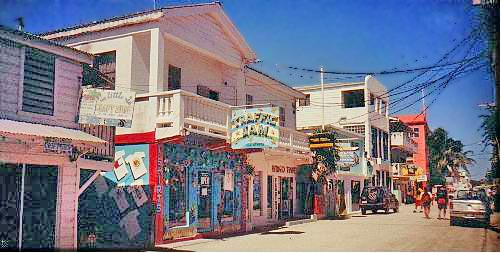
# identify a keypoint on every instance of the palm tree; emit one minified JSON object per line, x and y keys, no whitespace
{"x":490,"y":127}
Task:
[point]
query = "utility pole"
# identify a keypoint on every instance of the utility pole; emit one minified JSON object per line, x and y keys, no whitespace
{"x":322,"y":87}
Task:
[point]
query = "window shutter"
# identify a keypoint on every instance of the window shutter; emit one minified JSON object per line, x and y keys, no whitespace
{"x":38,"y":87}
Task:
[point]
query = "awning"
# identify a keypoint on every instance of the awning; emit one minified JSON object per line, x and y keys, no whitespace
{"x":12,"y":128}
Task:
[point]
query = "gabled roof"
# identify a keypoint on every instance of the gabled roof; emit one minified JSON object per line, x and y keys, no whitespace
{"x":156,"y":15}
{"x":32,"y":40}
{"x":295,"y":93}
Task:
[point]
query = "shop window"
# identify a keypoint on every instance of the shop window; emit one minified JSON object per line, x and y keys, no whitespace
{"x":228,"y":204}
{"x":174,"y":79}
{"x":177,"y":196}
{"x":270,"y":192}
{"x":305,"y":101}
{"x":353,"y":98}
{"x":257,"y":191}
{"x":38,"y":85}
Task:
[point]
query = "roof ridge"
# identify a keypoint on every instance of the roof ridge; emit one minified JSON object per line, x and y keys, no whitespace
{"x":31,"y":36}
{"x":121,"y":17}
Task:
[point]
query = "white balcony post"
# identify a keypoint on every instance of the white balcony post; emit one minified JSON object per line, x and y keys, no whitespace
{"x":179,"y":101}
{"x":157,"y":59}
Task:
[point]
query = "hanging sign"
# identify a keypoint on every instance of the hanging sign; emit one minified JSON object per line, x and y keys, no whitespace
{"x":228,"y":180}
{"x":107,"y":107}
{"x":422,"y":178}
{"x":57,"y":145}
{"x":348,"y":156}
{"x":255,"y":128}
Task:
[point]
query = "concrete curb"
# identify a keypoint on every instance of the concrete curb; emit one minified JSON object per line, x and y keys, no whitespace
{"x":313,"y":218}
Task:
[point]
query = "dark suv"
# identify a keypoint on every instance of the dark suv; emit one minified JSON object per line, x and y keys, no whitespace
{"x":378,"y":198}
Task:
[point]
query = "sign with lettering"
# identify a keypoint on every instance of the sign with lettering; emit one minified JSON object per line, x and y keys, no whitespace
{"x":283,"y":169}
{"x":107,"y":107}
{"x":57,"y":145}
{"x":180,"y":233}
{"x":255,"y":128}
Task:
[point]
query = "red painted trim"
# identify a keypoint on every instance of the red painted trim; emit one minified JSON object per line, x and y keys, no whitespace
{"x":148,"y":137}
{"x":177,"y":139}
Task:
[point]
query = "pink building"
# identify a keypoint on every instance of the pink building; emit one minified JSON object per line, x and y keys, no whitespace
{"x":420,"y":129}
{"x":42,"y":148}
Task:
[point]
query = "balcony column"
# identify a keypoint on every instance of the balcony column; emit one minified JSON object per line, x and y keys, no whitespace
{"x":157,"y":60}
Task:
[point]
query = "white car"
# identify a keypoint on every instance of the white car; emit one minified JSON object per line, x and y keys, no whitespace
{"x":470,"y":206}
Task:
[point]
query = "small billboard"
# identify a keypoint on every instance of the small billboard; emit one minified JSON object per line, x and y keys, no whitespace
{"x":255,"y":128}
{"x":107,"y":107}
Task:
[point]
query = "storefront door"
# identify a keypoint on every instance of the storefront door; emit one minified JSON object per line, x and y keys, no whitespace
{"x":33,"y":206}
{"x":205,"y":202}
{"x":286,"y":198}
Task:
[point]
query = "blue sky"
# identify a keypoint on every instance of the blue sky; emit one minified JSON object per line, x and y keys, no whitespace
{"x":351,"y":36}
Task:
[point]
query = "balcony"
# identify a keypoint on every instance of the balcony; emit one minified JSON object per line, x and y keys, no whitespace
{"x":401,"y":140}
{"x":178,"y":111}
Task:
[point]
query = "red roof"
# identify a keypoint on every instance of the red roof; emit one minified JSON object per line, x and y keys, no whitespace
{"x":412,"y":118}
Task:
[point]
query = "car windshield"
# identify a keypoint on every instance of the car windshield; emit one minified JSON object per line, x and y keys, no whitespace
{"x":470,"y":195}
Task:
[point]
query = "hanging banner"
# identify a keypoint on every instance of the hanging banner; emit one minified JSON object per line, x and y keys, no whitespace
{"x":228,"y":180}
{"x":107,"y":107}
{"x":255,"y":128}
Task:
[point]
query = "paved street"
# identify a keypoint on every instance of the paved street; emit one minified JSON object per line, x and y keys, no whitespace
{"x":404,"y":231}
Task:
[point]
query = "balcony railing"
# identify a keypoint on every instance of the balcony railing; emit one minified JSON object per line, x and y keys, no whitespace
{"x":107,"y":133}
{"x":180,"y":110}
{"x":403,"y":141}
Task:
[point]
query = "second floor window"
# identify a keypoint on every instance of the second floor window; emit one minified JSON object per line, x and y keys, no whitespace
{"x":204,"y":91}
{"x":353,"y":98}
{"x":249,"y":100}
{"x":305,"y":101}
{"x":374,"y":142}
{"x":38,"y":85}
{"x":383,"y":107}
{"x":106,"y":64}
{"x":415,"y":132}
{"x":282,"y":116}
{"x":174,"y":82}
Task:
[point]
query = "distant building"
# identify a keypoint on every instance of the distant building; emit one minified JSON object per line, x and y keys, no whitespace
{"x":359,"y":107}
{"x":419,"y":126}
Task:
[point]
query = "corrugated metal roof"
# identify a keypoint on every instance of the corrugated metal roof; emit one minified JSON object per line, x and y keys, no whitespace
{"x":30,"y":129}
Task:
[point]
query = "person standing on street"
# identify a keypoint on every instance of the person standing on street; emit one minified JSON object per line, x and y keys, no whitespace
{"x":418,"y":200}
{"x":426,"y":202}
{"x":442,"y":201}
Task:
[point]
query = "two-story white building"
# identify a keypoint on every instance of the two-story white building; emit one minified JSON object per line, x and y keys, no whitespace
{"x":360,"y":107}
{"x":189,"y":67}
{"x":42,"y":147}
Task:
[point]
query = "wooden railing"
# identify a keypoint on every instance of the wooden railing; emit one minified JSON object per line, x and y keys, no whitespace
{"x":107,"y":133}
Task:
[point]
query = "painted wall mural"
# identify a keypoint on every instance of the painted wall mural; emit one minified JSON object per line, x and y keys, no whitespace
{"x":202,"y":190}
{"x":116,"y":211}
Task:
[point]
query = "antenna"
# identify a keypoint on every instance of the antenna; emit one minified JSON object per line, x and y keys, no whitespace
{"x":20,"y":23}
{"x":423,"y":108}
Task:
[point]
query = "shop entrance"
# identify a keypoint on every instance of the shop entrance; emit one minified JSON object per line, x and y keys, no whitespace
{"x":286,"y":200}
{"x":205,"y":201}
{"x":28,"y":194}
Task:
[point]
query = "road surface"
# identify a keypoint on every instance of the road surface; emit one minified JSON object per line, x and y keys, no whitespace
{"x":403,"y":231}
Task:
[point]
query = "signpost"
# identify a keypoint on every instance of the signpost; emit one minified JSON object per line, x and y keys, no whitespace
{"x":255,"y":128}
{"x":107,"y":107}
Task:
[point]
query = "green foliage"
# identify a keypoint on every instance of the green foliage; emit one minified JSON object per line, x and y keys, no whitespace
{"x":490,"y":138}
{"x":446,"y":155}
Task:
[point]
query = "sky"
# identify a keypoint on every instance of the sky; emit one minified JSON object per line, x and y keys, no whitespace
{"x":342,"y":36}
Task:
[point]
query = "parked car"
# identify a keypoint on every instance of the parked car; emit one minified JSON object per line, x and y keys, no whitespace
{"x":470,"y":206}
{"x":376,"y":198}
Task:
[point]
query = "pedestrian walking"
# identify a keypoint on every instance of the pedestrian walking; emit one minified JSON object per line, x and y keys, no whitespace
{"x":418,"y":201}
{"x":426,"y":202}
{"x":442,"y":201}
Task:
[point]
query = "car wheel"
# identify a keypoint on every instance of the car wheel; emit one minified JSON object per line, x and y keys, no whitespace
{"x":387,"y":210}
{"x":374,"y":210}
{"x":364,"y":211}
{"x":395,"y":210}
{"x":453,"y":222}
